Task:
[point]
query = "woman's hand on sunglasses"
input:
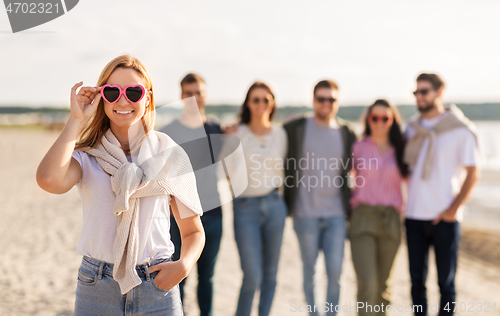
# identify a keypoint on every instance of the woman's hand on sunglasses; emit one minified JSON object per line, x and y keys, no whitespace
{"x":84,"y":104}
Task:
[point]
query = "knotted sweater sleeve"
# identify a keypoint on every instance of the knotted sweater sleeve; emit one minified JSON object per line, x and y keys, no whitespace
{"x":181,"y":181}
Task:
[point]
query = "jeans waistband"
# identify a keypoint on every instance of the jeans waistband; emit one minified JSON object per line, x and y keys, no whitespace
{"x":387,"y":217}
{"x":106,"y":268}
{"x":268,"y":195}
{"x":374,"y":209}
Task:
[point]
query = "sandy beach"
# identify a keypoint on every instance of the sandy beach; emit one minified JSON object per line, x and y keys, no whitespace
{"x":39,"y":262}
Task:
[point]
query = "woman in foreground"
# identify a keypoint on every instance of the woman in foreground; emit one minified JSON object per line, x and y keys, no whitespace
{"x":130,"y":178}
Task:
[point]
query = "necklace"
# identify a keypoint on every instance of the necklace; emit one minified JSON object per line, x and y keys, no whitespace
{"x":126,"y":149}
{"x":262,"y":141}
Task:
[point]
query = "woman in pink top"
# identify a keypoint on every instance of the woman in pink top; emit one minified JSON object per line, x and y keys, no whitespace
{"x":377,"y":202}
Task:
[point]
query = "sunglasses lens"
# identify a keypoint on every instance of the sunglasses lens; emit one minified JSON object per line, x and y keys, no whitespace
{"x":422,"y":92}
{"x":330,"y":100}
{"x":257,"y":101}
{"x":134,"y":94}
{"x":111,"y":94}
{"x":375,"y":119}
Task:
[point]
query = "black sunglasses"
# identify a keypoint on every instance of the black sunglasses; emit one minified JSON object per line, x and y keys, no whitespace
{"x":257,"y":101}
{"x":321,"y":100}
{"x":422,"y":92}
{"x":376,"y":118}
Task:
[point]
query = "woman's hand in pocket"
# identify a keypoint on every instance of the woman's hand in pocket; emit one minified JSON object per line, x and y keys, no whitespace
{"x":169,"y":274}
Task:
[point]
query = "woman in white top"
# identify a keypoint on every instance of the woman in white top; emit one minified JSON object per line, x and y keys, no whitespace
{"x":260,"y":211}
{"x":127,"y":175}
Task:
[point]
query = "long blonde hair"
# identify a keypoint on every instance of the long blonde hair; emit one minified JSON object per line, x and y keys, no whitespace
{"x":99,"y":123}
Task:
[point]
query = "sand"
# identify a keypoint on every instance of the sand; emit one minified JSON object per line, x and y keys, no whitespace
{"x":39,"y":262}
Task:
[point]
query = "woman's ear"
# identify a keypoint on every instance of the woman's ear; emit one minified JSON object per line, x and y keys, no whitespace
{"x":148,"y":98}
{"x":273,"y":107}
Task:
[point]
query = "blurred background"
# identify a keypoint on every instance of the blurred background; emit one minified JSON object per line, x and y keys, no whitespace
{"x":373,"y":49}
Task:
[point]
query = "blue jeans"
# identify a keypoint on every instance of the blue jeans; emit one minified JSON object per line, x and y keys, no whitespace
{"x":445,"y":237}
{"x":258,"y":229}
{"x":212,"y":225}
{"x":97,"y":293}
{"x":327,"y":234}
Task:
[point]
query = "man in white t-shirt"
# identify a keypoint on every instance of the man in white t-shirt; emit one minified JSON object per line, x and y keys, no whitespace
{"x":443,"y":156}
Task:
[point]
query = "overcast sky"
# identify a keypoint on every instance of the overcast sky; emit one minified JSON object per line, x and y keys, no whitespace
{"x":372,"y":49}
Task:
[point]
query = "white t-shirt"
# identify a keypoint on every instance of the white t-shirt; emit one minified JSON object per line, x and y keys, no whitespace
{"x":264,"y":159}
{"x":453,"y":151}
{"x":99,"y":222}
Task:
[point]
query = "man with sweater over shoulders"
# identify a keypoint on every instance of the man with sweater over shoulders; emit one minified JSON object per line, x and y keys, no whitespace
{"x":317,"y":190}
{"x":443,"y":156}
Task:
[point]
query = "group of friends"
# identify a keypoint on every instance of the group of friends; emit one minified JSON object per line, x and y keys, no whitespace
{"x":138,"y":247}
{"x":419,"y":177}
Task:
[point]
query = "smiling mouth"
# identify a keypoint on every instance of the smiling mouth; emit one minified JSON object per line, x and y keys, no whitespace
{"x":123,"y":112}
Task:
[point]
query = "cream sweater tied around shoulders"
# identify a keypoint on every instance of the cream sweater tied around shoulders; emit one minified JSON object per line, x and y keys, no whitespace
{"x":455,"y":118}
{"x":161,"y":167}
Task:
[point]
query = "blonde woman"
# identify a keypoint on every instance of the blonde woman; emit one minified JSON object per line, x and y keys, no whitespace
{"x":130,"y":178}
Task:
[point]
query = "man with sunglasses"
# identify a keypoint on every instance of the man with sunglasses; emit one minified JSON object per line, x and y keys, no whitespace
{"x":443,"y":157}
{"x":192,"y":132}
{"x":317,"y":191}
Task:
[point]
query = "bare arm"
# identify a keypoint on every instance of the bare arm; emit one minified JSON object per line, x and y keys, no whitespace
{"x":450,"y":215}
{"x":193,"y":241}
{"x":192,"y":236}
{"x":58,"y":172}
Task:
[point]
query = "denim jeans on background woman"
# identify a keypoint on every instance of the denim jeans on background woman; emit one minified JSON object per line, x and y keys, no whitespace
{"x":328,"y":234}
{"x":98,"y":294}
{"x":258,"y":229}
